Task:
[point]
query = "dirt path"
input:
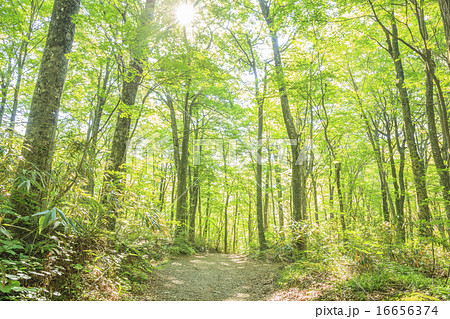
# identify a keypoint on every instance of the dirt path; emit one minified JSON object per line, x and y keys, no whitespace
{"x":213,"y":277}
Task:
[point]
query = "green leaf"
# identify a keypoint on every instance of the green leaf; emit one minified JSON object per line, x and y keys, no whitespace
{"x":79,"y":225}
{"x":5,"y":232}
{"x":45,"y":212}
{"x":46,"y":220}
{"x":60,"y":213}
{"x":11,"y":285}
{"x":71,"y":223}
{"x":77,"y":266}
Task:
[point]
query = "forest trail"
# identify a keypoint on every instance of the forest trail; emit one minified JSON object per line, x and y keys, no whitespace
{"x":213,"y":277}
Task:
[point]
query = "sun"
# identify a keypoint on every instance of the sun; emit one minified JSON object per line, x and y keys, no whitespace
{"x":185,"y":14}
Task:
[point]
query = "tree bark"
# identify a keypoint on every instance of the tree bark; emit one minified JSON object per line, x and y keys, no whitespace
{"x":102,"y":96}
{"x":6,"y":80}
{"x":114,"y":181}
{"x":418,"y":166}
{"x":227,"y":198}
{"x":401,"y":212}
{"x":225,"y":214}
{"x":417,"y":163}
{"x":316,"y":204}
{"x":194,"y":197}
{"x":199,"y":209}
{"x":280,"y":200}
{"x":23,"y":52}
{"x":259,"y":188}
{"x":372,"y":134}
{"x":40,"y":133}
{"x":162,"y":188}
{"x":235,"y":221}
{"x":249,"y":224}
{"x":182,"y":194}
{"x":174,"y":128}
{"x":337,"y":166}
{"x":266,"y":200}
{"x":206,"y":229}
{"x":441,"y":167}
{"x":21,"y":59}
{"x":398,"y":182}
{"x":298,"y":169}
{"x":193,"y":206}
{"x":444,"y":177}
{"x":445,"y":13}
{"x":172,"y":197}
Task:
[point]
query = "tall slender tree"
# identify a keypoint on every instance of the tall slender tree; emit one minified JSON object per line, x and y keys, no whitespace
{"x":39,"y":140}
{"x":298,"y":166}
{"x":114,"y":181}
{"x":418,"y":167}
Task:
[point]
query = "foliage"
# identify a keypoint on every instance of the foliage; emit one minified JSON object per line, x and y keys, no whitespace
{"x":181,"y":247}
{"x":367,"y":271}
{"x":93,"y":237}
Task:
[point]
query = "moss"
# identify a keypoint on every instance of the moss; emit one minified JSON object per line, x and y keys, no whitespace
{"x":417,"y":296}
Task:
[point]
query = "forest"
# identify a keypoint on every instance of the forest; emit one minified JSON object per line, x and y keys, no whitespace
{"x":224,"y":150}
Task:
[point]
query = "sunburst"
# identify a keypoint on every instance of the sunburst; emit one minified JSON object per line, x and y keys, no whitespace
{"x":185,"y":14}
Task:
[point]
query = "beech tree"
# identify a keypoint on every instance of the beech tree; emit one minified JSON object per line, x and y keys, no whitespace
{"x":39,"y":139}
{"x":131,"y":81}
{"x":298,"y":166}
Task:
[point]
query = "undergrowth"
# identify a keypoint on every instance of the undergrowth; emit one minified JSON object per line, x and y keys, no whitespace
{"x":364,"y":267}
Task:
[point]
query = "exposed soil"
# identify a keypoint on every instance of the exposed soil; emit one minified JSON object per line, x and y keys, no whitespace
{"x":213,"y":277}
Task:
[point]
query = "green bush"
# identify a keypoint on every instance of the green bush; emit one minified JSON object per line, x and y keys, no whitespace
{"x":181,"y":247}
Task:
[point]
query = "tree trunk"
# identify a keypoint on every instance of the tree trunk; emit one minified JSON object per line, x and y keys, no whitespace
{"x":444,"y":177}
{"x":272,"y":195}
{"x":441,"y":167}
{"x":200,"y":222}
{"x":280,"y":200}
{"x":42,"y":121}
{"x":205,"y":231}
{"x":298,"y":174}
{"x":102,"y":96}
{"x":225,"y":214}
{"x":417,"y":163}
{"x":249,"y":220}
{"x":442,"y":107}
{"x":194,"y":197}
{"x":235,"y":221}
{"x":401,"y":216}
{"x":259,"y":188}
{"x":6,"y":80}
{"x":372,"y":134}
{"x":174,"y":128}
{"x":172,"y":197}
{"x":182,"y":194}
{"x":438,"y":156}
{"x":227,"y":197}
{"x":337,"y":166}
{"x":331,"y":190}
{"x":23,"y":52}
{"x":266,"y":200}
{"x":398,"y":182}
{"x":194,"y":201}
{"x":114,"y":181}
{"x":162,"y":188}
{"x":316,"y":204}
{"x":445,"y":13}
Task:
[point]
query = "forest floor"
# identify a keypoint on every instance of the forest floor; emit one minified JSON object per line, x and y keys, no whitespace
{"x":235,"y":277}
{"x":213,"y":277}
